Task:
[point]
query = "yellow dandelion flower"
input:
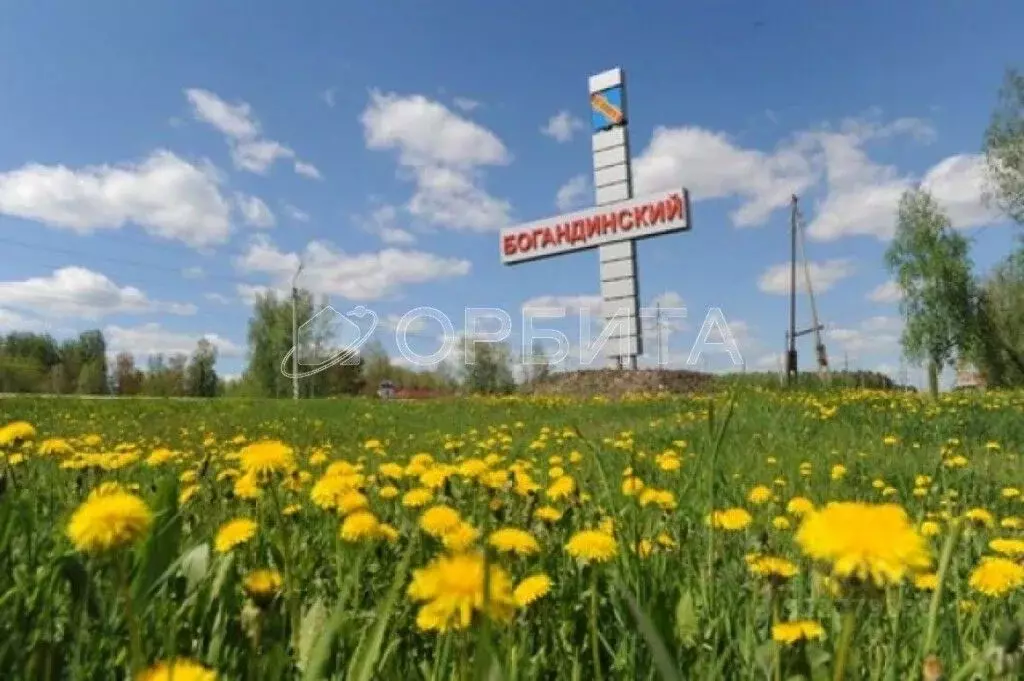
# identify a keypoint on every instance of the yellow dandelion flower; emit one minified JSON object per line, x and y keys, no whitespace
{"x":731,"y":519}
{"x":262,"y":586}
{"x":1012,"y":523}
{"x":352,"y":501}
{"x":108,"y":521}
{"x":980,"y":516}
{"x":16,"y":432}
{"x":1010,"y":492}
{"x":267,"y":458}
{"x":864,"y":541}
{"x":1008,"y":547}
{"x":439,"y":520}
{"x":247,"y":487}
{"x":760,"y":494}
{"x":799,"y":506}
{"x":417,"y":498}
{"x":548,"y":514}
{"x":514,"y":540}
{"x":561,"y":488}
{"x":234,"y":533}
{"x":773,"y":567}
{"x":928,"y":581}
{"x":451,"y":589}
{"x":187,"y":493}
{"x":996,"y":576}
{"x":930,"y":528}
{"x":388,"y":492}
{"x":461,"y":538}
{"x":359,"y":526}
{"x":789,"y":633}
{"x":180,"y":669}
{"x":531,"y":589}
{"x":592,"y":545}
{"x":838,"y":472}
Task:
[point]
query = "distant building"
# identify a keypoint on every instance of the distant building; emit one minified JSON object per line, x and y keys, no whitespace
{"x":968,"y":378}
{"x":386,"y":390}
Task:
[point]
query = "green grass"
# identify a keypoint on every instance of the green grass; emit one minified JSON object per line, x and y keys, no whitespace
{"x":692,"y":612}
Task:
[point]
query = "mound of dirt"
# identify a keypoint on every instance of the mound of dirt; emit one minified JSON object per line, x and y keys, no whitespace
{"x":614,"y":383}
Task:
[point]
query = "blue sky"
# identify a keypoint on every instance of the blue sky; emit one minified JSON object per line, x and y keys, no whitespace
{"x":160,"y":162}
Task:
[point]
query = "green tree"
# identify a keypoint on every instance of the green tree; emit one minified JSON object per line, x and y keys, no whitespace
{"x":200,"y":374}
{"x":488,"y":368}
{"x":931,"y":265}
{"x":1004,"y":147}
{"x":127,"y":379}
{"x":999,"y":348}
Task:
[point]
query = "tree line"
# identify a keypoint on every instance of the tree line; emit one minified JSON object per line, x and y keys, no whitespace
{"x":952,"y":315}
{"x":38,"y":363}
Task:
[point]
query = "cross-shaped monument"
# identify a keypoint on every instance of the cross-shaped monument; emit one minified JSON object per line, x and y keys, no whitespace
{"x":613,"y":226}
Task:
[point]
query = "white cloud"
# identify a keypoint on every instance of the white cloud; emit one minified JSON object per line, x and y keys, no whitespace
{"x":194,"y":272}
{"x":466,"y":104}
{"x":234,"y":120}
{"x":249,"y":150}
{"x":217,"y":298}
{"x":889,"y":292}
{"x":308,"y":170}
{"x":958,"y":184}
{"x":875,"y":335}
{"x":394,"y":236}
{"x":296,"y":213}
{"x":562,"y":126}
{"x":444,"y":153}
{"x":572,"y":305}
{"x":382,"y":222}
{"x":863,"y":196}
{"x":573,"y":193}
{"x":254,"y":211}
{"x":357,"y":277}
{"x":152,"y":339}
{"x":824,"y":275}
{"x":712,"y":166}
{"x":165,"y":195}
{"x":14,"y":321}
{"x":82,"y":293}
{"x":328,"y":96}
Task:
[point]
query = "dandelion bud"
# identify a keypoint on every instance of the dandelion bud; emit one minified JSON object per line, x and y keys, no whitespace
{"x":932,"y":669}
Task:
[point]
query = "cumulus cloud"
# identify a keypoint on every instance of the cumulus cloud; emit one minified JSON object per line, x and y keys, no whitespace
{"x":824,"y":275}
{"x":153,"y":339}
{"x":382,"y":221}
{"x":572,"y":305}
{"x":860,"y":195}
{"x":82,"y":293}
{"x":254,"y":211}
{"x":165,"y":195}
{"x":356,"y":277}
{"x":562,"y":127}
{"x":889,"y":292}
{"x":249,"y":149}
{"x":444,"y":153}
{"x":573,"y":193}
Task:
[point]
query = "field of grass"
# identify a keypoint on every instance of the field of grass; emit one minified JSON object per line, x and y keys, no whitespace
{"x":514,"y":538}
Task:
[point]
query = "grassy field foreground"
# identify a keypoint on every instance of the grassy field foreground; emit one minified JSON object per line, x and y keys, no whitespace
{"x":514,"y":538}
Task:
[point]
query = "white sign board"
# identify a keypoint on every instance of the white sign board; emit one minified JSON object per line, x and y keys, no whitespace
{"x":627,"y":220}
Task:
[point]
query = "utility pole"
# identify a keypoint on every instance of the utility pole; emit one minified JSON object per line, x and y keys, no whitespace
{"x":657,"y":327}
{"x":791,"y":366}
{"x":295,"y":335}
